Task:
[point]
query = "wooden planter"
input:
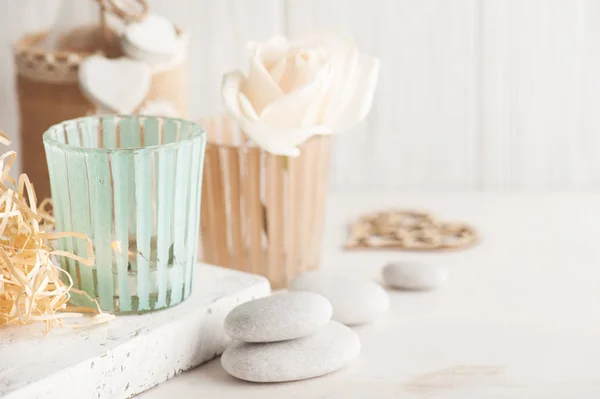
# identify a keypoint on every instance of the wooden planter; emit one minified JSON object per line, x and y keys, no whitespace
{"x":262,"y":213}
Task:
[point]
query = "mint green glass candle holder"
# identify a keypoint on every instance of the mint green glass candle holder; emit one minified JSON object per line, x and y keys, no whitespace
{"x":132,"y":184}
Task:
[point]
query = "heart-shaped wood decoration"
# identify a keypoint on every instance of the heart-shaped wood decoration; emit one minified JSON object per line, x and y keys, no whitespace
{"x":119,"y":85}
{"x":152,"y":40}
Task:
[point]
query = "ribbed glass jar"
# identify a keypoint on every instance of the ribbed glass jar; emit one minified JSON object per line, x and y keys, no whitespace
{"x":132,"y":185}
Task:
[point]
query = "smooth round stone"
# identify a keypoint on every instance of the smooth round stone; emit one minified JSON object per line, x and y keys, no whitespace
{"x":354,"y":301}
{"x":414,"y":276}
{"x":278,"y":317}
{"x":329,"y":349}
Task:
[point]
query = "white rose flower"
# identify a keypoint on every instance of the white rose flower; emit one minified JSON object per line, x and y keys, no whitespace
{"x":318,"y":84}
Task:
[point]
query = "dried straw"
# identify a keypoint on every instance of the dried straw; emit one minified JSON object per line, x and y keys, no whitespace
{"x":30,"y":285}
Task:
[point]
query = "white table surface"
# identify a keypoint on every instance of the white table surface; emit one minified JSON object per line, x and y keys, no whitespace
{"x":519,"y":317}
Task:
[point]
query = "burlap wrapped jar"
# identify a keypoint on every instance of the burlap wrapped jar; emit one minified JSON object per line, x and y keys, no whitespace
{"x":48,"y":87}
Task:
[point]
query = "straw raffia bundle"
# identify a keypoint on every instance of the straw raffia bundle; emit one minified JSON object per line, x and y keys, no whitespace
{"x":30,"y":285}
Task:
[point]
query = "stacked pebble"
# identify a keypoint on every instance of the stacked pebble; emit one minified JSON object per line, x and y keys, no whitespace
{"x":355,"y":301}
{"x":286,"y":337}
{"x":302,"y":334}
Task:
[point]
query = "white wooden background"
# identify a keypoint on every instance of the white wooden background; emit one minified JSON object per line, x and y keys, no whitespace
{"x":498,"y":95}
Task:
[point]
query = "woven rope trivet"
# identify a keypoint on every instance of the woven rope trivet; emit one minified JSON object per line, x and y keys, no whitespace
{"x":409,"y":230}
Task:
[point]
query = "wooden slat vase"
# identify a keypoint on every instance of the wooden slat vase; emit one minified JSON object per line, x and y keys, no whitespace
{"x":262,"y":213}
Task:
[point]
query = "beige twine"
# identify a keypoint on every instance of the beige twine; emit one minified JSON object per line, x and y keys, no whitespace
{"x":409,"y":230}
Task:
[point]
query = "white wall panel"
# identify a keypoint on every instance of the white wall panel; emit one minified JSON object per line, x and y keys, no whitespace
{"x":421,"y":133}
{"x":473,"y":94}
{"x":540,"y":44}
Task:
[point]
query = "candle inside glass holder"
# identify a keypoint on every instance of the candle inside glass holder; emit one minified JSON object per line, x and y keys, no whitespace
{"x":132,"y":184}
{"x":132,"y":255}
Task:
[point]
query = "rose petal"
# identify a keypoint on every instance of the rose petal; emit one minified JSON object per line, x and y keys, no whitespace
{"x":342,"y":59}
{"x":344,"y":65}
{"x":279,"y":141}
{"x":230,"y":88}
{"x":301,"y":68}
{"x":301,"y":107}
{"x":271,"y":51}
{"x":278,"y":69}
{"x":355,"y":77}
{"x":272,"y":55}
{"x":359,"y":97}
{"x":259,"y":87}
{"x":247,"y":108}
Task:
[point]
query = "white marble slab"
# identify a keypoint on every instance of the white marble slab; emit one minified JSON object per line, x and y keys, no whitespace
{"x":130,"y":354}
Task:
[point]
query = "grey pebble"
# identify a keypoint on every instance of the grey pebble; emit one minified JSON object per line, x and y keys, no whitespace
{"x":411,"y":275}
{"x":278,"y":317}
{"x":355,"y":301}
{"x":329,"y":349}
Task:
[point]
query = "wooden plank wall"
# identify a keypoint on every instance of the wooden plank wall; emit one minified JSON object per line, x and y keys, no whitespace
{"x":473,"y":94}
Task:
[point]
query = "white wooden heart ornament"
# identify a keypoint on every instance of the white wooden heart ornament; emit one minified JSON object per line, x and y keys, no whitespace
{"x":152,"y":40}
{"x":119,"y":85}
